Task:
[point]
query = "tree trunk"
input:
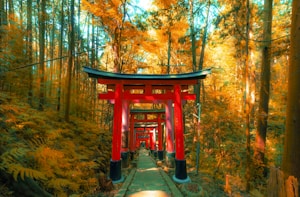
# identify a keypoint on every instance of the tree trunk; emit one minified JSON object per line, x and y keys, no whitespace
{"x":77,"y":63}
{"x":169,"y":50}
{"x":275,"y":187}
{"x":201,"y":60}
{"x":263,"y":111}
{"x":70,"y":62}
{"x":29,"y":50}
{"x":2,"y":22}
{"x":93,"y":61}
{"x":3,"y":14}
{"x":192,"y":32}
{"x":52,"y":49}
{"x":291,"y":154}
{"x":11,"y":12}
{"x":60,"y":55}
{"x":116,"y":49}
{"x":42,"y":18}
{"x":247,"y":99}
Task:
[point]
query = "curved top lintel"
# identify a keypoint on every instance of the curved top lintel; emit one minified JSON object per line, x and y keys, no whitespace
{"x":95,"y":73}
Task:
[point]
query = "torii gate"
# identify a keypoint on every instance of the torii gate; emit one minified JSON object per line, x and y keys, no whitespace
{"x":140,"y":129}
{"x":157,"y":121}
{"x":143,"y":136}
{"x":122,"y":88}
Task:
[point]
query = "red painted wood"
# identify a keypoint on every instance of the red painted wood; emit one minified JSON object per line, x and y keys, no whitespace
{"x":140,"y":129}
{"x":132,"y":137}
{"x":106,"y":96}
{"x":178,"y":124}
{"x":160,"y":134}
{"x":116,"y":140}
{"x":142,"y":98}
{"x":152,"y":144}
{"x":153,"y":87}
{"x":137,"y":140}
{"x":169,"y":128}
{"x":125,"y":126}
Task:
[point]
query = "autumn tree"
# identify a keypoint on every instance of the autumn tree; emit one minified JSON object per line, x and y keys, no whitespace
{"x":170,"y":24}
{"x":42,"y":26}
{"x":29,"y":50}
{"x":3,"y":21}
{"x":262,"y":121}
{"x":291,"y":155}
{"x":192,"y":33}
{"x":247,"y":95}
{"x":70,"y":61}
{"x":106,"y":11}
{"x":58,"y":105}
{"x":203,"y":46}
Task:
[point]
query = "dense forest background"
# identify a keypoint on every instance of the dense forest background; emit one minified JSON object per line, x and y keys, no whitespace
{"x":55,"y":133}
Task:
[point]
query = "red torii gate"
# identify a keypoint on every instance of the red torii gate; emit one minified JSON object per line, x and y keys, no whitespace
{"x":122,"y":89}
{"x":143,"y":136}
{"x":157,"y":121}
{"x":141,"y":130}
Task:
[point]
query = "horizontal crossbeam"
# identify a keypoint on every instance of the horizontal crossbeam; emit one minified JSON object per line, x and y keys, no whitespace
{"x":150,"y":120}
{"x":147,"y":111}
{"x":147,"y":96}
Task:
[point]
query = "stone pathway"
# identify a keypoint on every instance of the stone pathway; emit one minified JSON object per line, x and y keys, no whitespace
{"x":148,"y":180}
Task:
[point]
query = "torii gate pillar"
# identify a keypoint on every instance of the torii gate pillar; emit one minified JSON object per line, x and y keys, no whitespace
{"x":170,"y":151}
{"x":180,"y":162}
{"x":125,"y":133}
{"x":115,"y":162}
{"x":132,"y":138}
{"x":160,"y":151}
{"x":152,"y":141}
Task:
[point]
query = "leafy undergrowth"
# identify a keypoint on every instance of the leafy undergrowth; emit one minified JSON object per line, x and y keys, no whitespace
{"x":210,"y":186}
{"x":44,"y":155}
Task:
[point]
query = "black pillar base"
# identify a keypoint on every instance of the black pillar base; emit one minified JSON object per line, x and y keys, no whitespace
{"x":170,"y":160}
{"x":125,"y":162}
{"x":180,"y":172}
{"x":151,"y":152}
{"x":160,"y":155}
{"x":155,"y":154}
{"x":115,"y":171}
{"x":132,"y":155}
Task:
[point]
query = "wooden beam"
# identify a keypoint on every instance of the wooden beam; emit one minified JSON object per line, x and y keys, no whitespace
{"x":136,"y":98}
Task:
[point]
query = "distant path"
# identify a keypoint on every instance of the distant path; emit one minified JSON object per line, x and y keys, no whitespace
{"x":148,"y":180}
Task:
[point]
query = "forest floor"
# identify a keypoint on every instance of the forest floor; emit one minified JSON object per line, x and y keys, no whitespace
{"x":212,"y":186}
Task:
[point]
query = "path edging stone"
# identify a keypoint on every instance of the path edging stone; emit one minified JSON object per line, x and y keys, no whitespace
{"x":122,"y":191}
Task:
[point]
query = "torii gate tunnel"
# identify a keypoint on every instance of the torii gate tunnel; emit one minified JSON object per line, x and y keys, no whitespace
{"x":124,"y":89}
{"x":149,"y":125}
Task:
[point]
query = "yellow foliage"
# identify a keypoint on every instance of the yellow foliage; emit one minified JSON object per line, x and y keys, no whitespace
{"x":164,"y":3}
{"x":61,"y":184}
{"x":9,"y":109}
{"x":62,"y":156}
{"x":51,"y":153}
{"x":55,"y":133}
{"x":17,"y":169}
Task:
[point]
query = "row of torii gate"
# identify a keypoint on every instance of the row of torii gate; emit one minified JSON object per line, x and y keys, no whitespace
{"x":172,"y":90}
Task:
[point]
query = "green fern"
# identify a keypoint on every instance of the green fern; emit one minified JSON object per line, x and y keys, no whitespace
{"x":17,"y":170}
{"x":12,"y":156}
{"x":37,"y":142}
